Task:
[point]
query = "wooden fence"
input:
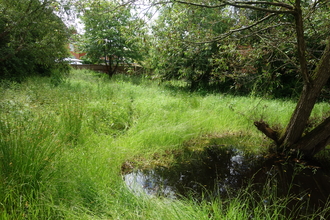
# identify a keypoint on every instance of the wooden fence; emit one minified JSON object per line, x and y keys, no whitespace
{"x":105,"y":69}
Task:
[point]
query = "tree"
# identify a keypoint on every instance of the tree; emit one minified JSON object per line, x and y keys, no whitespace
{"x":294,"y":136}
{"x":175,"y":56}
{"x":185,"y":48}
{"x":111,"y":32}
{"x":32,"y":38}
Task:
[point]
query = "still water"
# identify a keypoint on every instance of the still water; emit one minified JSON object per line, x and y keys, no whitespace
{"x":223,"y":171}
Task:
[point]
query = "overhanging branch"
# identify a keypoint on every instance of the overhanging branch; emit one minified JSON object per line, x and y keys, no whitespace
{"x":200,"y":5}
{"x":279,"y":4}
{"x":222,"y":36}
{"x":286,"y":8}
{"x":260,"y":8}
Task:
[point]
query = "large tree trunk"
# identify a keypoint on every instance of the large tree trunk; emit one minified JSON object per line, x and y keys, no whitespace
{"x":292,"y":137}
{"x":309,"y":96}
{"x":315,"y":140}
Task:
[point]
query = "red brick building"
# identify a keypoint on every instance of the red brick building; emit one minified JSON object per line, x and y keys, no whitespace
{"x":74,"y":52}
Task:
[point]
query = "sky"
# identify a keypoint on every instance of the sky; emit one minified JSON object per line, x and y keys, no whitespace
{"x":71,"y":17}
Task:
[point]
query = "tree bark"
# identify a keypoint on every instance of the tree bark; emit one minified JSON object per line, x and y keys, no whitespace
{"x":319,"y":137}
{"x":308,"y":98}
{"x":264,"y":128}
{"x":306,"y":102}
{"x":316,"y":140}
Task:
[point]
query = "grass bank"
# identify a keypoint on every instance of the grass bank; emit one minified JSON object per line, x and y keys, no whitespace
{"x":62,"y":145}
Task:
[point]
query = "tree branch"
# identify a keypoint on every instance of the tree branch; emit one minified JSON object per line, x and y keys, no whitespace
{"x":247,"y":4}
{"x":279,"y":4}
{"x":264,"y":128}
{"x":301,"y":44}
{"x":261,"y":9}
{"x":199,"y":5}
{"x":222,"y":36}
{"x":283,"y":53}
{"x":256,"y":32}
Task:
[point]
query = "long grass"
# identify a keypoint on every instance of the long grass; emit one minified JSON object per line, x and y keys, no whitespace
{"x":62,"y":146}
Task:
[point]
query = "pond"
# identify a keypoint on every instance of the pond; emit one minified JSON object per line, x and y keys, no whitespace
{"x":220,"y":171}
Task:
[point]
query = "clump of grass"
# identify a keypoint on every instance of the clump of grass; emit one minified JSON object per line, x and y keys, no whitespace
{"x":110,"y":118}
{"x":72,"y":119}
{"x":28,"y":149}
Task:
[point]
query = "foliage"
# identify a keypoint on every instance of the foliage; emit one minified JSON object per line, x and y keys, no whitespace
{"x":175,"y":55}
{"x":32,"y":38}
{"x":113,"y":35}
{"x":248,"y":58}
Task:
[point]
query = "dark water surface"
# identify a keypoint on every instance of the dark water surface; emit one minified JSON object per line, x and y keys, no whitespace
{"x":221,"y":172}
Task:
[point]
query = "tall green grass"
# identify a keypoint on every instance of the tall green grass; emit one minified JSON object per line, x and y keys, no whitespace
{"x":62,"y":145}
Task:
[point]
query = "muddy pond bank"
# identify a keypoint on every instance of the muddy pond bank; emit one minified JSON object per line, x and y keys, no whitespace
{"x":225,"y":171}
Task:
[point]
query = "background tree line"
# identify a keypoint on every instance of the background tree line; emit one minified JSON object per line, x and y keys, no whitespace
{"x":223,"y":49}
{"x":204,"y":46}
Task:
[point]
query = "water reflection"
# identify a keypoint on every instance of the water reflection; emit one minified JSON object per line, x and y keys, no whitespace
{"x":216,"y":169}
{"x":150,"y":183}
{"x":222,"y":171}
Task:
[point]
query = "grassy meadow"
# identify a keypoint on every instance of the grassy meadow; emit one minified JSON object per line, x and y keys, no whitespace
{"x":62,"y":146}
